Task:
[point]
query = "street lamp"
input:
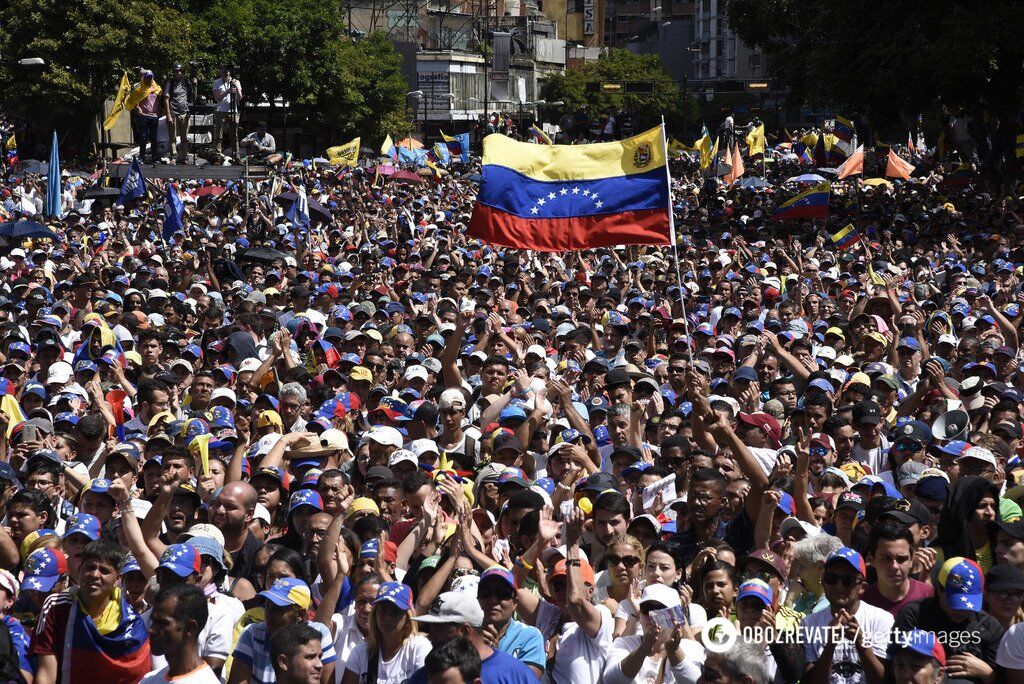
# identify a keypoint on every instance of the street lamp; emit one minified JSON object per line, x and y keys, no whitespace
{"x":31,"y":62}
{"x":418,"y":96}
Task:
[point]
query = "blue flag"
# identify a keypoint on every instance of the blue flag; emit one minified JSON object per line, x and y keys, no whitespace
{"x":134,"y":184}
{"x":299,"y":213}
{"x":53,"y":186}
{"x":463,"y":139}
{"x":173,"y":211}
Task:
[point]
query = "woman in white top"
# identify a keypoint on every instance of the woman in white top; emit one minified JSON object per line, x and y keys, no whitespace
{"x":624,"y":561}
{"x":664,"y":565}
{"x":661,"y":654}
{"x":394,"y":649}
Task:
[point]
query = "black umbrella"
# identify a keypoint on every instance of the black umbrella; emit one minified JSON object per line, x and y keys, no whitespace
{"x":318,"y":213}
{"x":101,"y":193}
{"x":17,"y":230}
{"x":263,"y":254}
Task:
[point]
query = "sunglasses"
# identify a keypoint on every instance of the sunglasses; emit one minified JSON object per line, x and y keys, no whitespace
{"x":909,"y":446}
{"x":835,"y":578}
{"x":763,"y":575}
{"x":1009,"y":596}
{"x":502,"y":593}
{"x":819,"y":451}
{"x":628,"y":561}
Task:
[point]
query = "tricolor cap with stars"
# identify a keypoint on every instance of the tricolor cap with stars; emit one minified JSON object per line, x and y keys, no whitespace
{"x":923,"y":643}
{"x":848,"y":555}
{"x":396,"y":593}
{"x":83,"y":523}
{"x":181,"y":559}
{"x":288,"y":591}
{"x":43,"y":568}
{"x":305,"y":497}
{"x":963,"y":582}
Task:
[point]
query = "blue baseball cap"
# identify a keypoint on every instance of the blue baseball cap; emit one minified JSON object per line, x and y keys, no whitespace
{"x":305,"y":497}
{"x":83,"y":523}
{"x":181,"y":559}
{"x":848,"y":555}
{"x":745,"y":373}
{"x":757,"y":589}
{"x":923,"y":643}
{"x":396,"y":593}
{"x":288,"y":591}
{"x":637,"y":468}
{"x":963,"y":582}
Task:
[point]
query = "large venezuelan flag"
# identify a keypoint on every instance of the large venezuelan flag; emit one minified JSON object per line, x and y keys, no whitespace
{"x":553,"y":198}
{"x":120,"y":656}
{"x":812,"y":204}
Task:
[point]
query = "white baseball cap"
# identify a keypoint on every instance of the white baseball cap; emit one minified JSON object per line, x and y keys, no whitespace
{"x":402,"y":455}
{"x":424,"y":446}
{"x":416,"y":371}
{"x":224,"y":393}
{"x":386,"y":435}
{"x":250,"y":364}
{"x":452,"y":398}
{"x":59,"y":373}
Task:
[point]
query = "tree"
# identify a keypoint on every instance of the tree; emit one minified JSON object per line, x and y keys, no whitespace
{"x":86,"y":44}
{"x":893,"y":60}
{"x":299,"y":51}
{"x":580,"y":86}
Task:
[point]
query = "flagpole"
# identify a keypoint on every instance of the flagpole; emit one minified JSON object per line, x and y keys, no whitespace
{"x":675,"y":244}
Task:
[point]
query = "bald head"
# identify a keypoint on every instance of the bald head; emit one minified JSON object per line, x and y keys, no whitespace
{"x":233,"y":508}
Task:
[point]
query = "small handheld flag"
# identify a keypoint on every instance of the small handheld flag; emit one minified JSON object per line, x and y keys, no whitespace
{"x":539,"y":135}
{"x":134,"y":184}
{"x":173,"y":211}
{"x":853,"y":165}
{"x":845,"y":238}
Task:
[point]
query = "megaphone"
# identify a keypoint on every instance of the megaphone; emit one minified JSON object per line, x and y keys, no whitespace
{"x":951,"y":425}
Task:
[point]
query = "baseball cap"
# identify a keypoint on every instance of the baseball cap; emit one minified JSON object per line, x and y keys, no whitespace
{"x":758,"y":589}
{"x":963,"y":583}
{"x":454,"y":607}
{"x":288,"y":591}
{"x":499,"y":572}
{"x":305,"y":497}
{"x":395,"y":592}
{"x":386,"y":435}
{"x":766,"y":556}
{"x":662,"y":594}
{"x":370,"y":549}
{"x":181,"y":559}
{"x":849,"y":556}
{"x":586,"y":571}
{"x":867,"y":412}
{"x":978,"y":454}
{"x":43,"y":568}
{"x":82,"y":523}
{"x":362,"y":505}
{"x":921,"y":642}
{"x":208,"y":546}
{"x":915,"y":513}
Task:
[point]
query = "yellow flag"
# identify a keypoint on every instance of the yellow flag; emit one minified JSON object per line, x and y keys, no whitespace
{"x":120,"y":102}
{"x":12,"y":144}
{"x":388,"y":145}
{"x":704,"y":147}
{"x":344,"y":155}
{"x":448,"y":138}
{"x":809,"y":140}
{"x":140,"y":93}
{"x":875,"y":278}
{"x":712,"y":156}
{"x":12,"y":409}
{"x":755,"y":141}
{"x":200,"y":448}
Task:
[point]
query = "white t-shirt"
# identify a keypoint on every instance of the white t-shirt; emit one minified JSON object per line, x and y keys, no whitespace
{"x":696,"y":616}
{"x":579,"y":659}
{"x":216,"y":638}
{"x":873,"y":458}
{"x":399,"y":669}
{"x":875,"y":624}
{"x":1011,"y":648}
{"x":688,"y":670}
{"x":346,"y":638}
{"x":201,"y":675}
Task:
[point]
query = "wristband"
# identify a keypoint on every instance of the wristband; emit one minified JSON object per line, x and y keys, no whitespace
{"x":563,"y":486}
{"x":526,"y":566}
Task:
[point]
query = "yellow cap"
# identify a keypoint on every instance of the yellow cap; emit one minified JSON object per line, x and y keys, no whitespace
{"x":362,"y":505}
{"x":268,"y":418}
{"x":360,"y":373}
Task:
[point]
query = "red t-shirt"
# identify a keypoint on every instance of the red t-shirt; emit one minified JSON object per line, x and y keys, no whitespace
{"x":918,"y":591}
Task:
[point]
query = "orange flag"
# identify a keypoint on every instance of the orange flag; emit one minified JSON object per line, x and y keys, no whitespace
{"x":897,"y":168}
{"x":853,"y":165}
{"x":737,"y":162}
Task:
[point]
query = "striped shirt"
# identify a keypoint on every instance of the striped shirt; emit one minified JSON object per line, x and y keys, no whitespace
{"x":253,"y":649}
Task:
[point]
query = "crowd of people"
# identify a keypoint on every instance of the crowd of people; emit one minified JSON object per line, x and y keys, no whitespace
{"x":376,"y":450}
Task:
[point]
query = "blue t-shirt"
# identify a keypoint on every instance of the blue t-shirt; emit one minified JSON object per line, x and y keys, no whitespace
{"x":524,"y":643}
{"x":498,"y":668}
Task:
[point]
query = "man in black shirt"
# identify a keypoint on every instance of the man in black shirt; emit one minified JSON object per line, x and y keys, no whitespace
{"x":969,"y":636}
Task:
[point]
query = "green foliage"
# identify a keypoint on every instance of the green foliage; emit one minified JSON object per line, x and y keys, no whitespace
{"x":86,"y":44}
{"x":298,"y":51}
{"x":295,"y":50}
{"x":889,"y":60}
{"x":616,"y":66}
